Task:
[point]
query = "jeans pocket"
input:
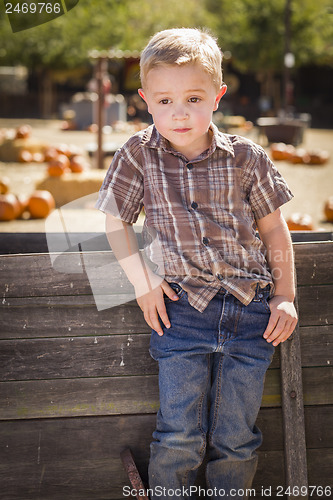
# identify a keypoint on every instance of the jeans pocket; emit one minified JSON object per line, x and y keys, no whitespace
{"x":264,"y":301}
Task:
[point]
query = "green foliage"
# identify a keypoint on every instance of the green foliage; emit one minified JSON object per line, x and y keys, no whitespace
{"x":252,"y":30}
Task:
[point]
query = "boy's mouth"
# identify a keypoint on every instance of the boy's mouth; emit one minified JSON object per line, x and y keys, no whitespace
{"x":181,"y":130}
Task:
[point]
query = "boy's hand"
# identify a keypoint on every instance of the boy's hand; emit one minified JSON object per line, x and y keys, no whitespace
{"x":282,"y":321}
{"x":153,"y":306}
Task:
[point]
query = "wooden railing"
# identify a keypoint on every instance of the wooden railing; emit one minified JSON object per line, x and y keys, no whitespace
{"x":78,"y":385}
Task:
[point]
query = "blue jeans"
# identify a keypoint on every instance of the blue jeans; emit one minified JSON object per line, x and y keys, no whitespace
{"x":212,"y":368}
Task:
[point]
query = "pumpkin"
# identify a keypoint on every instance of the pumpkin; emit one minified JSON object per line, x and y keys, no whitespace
{"x":282,"y":151}
{"x":78,"y":164}
{"x":300,"y":222}
{"x":317,"y":157}
{"x":24,"y":156}
{"x":40,"y":204}
{"x":63,"y":149}
{"x":56,"y":170}
{"x":58,"y":166}
{"x":328,"y":209}
{"x":9,"y":207}
{"x":50,"y":153}
{"x":4,"y":185}
{"x":38,"y":157}
{"x":23,"y":132}
{"x":300,"y":156}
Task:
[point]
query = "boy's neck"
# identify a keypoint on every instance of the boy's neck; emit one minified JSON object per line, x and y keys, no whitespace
{"x":195,"y":152}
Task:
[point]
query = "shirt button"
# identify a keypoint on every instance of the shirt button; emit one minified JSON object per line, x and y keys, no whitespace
{"x":205,"y":240}
{"x":194,"y":205}
{"x":189,"y":166}
{"x":260,"y":295}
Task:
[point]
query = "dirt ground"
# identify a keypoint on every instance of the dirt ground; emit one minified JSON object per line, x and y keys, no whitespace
{"x":311,"y":185}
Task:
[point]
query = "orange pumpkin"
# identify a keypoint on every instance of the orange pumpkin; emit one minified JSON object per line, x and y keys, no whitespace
{"x":38,"y":157}
{"x":300,"y":156}
{"x":282,"y":151}
{"x":328,"y":209}
{"x":62,"y":160}
{"x":50,"y":154}
{"x":78,"y":164}
{"x":4,"y":185}
{"x":59,"y":166}
{"x":300,"y":222}
{"x":317,"y":157}
{"x":25,"y":156}
{"x":56,"y":170}
{"x":40,"y":204}
{"x":9,"y":207}
{"x":23,"y":132}
{"x":63,"y":149}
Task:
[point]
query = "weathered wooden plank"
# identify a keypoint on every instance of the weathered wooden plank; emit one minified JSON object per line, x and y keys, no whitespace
{"x":18,"y":438}
{"x":33,"y":317}
{"x":314,"y":263}
{"x":316,"y":346}
{"x":66,"y":273}
{"x":15,"y":243}
{"x":311,"y":236}
{"x":105,"y":479}
{"x":58,"y":316}
{"x":76,"y":357}
{"x":113,"y":355}
{"x":127,"y":395}
{"x":79,"y":458}
{"x":78,"y":397}
{"x":315,"y":305}
{"x":135,"y":429}
{"x":35,"y":275}
{"x":293,"y":413}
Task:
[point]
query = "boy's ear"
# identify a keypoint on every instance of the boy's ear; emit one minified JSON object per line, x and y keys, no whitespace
{"x":219,"y":96}
{"x":142,"y":94}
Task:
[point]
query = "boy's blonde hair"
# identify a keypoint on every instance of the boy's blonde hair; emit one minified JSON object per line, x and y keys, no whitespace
{"x":182,"y":46}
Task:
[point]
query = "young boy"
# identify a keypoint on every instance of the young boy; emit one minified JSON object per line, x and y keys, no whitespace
{"x":227,"y":296}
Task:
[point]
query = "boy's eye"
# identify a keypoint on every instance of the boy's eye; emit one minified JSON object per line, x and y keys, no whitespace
{"x":194,"y":99}
{"x":165,"y":101}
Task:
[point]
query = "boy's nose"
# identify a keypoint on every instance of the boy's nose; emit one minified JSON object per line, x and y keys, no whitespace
{"x":179,"y":113}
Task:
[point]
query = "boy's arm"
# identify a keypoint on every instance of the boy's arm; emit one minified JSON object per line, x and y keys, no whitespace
{"x":275,"y":235}
{"x":149,"y":287}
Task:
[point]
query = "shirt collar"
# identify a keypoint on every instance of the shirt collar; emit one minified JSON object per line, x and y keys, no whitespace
{"x":153,"y":139}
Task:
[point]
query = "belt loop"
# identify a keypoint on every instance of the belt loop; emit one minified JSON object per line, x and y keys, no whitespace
{"x":259,"y":292}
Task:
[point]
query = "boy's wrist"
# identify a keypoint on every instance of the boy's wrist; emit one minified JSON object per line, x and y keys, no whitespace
{"x":290,"y":297}
{"x":146,"y":283}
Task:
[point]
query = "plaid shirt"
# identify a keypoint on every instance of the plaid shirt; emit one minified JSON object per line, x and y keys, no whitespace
{"x":200,"y":214}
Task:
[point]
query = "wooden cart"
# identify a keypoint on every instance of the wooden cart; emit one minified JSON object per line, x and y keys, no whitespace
{"x":78,"y":385}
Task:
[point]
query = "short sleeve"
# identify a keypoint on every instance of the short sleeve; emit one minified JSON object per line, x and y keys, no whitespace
{"x":269,"y":190}
{"x":121,"y":193}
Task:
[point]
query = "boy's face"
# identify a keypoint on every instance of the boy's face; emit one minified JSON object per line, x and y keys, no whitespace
{"x":181,"y":100}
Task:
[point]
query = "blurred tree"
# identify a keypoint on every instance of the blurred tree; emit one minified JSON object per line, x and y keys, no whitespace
{"x":102,"y":24}
{"x":255,"y":34}
{"x":253,"y":31}
{"x":66,"y":41}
